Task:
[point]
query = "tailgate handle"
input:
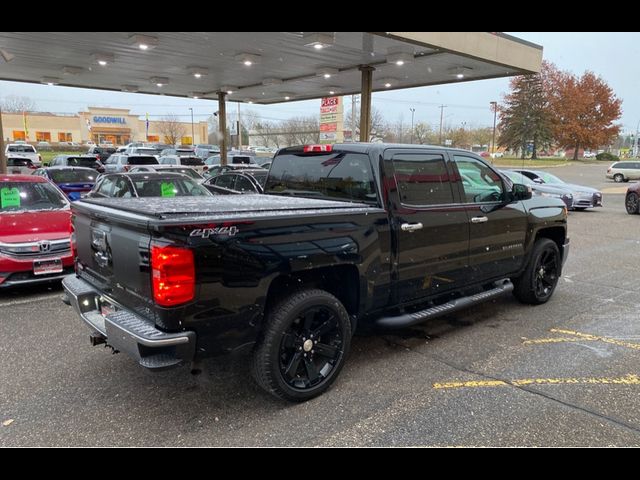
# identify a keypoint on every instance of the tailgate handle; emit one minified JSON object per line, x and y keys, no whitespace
{"x":411,"y":227}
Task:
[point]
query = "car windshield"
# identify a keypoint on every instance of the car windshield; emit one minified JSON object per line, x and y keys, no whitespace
{"x":517,"y":177}
{"x":21,"y":148}
{"x":73,"y":176}
{"x":335,"y":176}
{"x":82,"y":162}
{"x":548,"y":178}
{"x":177,"y":186}
{"x":20,"y":196}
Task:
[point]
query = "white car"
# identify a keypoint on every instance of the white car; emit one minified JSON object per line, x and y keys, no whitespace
{"x":24,"y":150}
{"x":589,"y":154}
{"x":497,"y":155}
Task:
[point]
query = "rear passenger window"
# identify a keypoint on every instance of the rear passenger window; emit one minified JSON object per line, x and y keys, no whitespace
{"x":422,"y":179}
{"x":243,"y":184}
{"x":225,"y":181}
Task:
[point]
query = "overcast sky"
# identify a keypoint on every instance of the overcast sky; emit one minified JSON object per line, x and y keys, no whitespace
{"x":613,"y":56}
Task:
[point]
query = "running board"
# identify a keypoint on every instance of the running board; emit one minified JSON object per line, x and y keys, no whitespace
{"x":408,"y":319}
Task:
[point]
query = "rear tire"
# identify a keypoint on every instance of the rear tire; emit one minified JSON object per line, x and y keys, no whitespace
{"x":539,"y":280}
{"x":305,"y":341}
{"x":631,"y":204}
{"x":618,"y":178}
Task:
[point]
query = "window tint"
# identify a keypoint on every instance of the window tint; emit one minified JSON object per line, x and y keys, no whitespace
{"x":226,"y":181}
{"x":122,"y":189}
{"x":480,"y":183}
{"x":106,"y":187}
{"x":422,"y":179}
{"x":243,"y":184}
{"x":142,"y":160}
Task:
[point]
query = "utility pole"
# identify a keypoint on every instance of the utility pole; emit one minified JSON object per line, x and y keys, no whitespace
{"x":239,"y":131}
{"x":353,"y":118}
{"x":413,"y":110}
{"x":634,"y":149}
{"x":193,"y":139}
{"x":494,"y":106}
{"x":442,"y":107}
{"x":3,"y":158}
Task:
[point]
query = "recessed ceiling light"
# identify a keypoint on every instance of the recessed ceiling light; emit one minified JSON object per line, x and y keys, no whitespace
{"x":159,"y":81}
{"x":248,"y":100}
{"x":333,"y":90}
{"x":143,"y":42}
{"x":198,"y":72}
{"x":460,"y":72}
{"x":50,"y":80}
{"x":327,"y":72}
{"x":399,"y":55}
{"x":318,"y":40}
{"x":229,"y":89}
{"x":247,"y":59}
{"x":196,"y":94}
{"x":388,"y":82}
{"x":286,"y":95}
{"x":129,"y":88}
{"x":103,"y":59}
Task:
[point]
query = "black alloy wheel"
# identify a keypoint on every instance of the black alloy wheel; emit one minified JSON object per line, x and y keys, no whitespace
{"x":632,"y":204}
{"x":540,"y":278}
{"x":546,"y":273}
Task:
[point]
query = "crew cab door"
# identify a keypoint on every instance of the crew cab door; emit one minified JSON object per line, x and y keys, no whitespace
{"x":430,"y":226}
{"x":497,"y":230}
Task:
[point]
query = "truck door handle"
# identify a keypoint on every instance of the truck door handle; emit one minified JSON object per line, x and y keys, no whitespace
{"x":479,"y":220}
{"x":411,"y":227}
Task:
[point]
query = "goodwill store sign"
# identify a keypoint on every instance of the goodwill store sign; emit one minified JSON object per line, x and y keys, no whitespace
{"x":116,"y":120}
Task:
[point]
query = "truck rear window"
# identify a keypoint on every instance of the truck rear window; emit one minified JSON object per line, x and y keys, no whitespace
{"x":21,"y":149}
{"x":142,"y":161}
{"x":334,"y":176}
{"x":82,"y":162}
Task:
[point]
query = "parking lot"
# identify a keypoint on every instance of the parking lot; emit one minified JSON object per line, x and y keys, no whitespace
{"x":566,"y":373}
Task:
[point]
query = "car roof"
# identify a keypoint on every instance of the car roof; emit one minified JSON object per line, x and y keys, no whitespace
{"x":142,"y":175}
{"x":62,"y":167}
{"x":23,"y":178}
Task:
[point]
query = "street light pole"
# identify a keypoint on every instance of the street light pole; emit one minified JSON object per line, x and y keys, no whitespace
{"x":413,"y":110}
{"x":494,"y":105}
{"x":192,"y":132}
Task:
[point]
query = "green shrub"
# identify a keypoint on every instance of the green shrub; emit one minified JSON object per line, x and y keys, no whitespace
{"x":607,"y":157}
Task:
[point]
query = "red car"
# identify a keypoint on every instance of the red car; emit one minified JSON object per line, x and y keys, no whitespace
{"x":35,"y":231}
{"x":632,"y":199}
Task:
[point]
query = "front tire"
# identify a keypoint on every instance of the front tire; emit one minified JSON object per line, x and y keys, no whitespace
{"x":631,"y":204}
{"x":305,"y":341}
{"x":618,"y":178}
{"x":539,"y":280}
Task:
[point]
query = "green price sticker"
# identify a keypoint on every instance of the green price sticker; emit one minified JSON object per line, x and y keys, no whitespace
{"x":9,"y":197}
{"x":167,"y":190}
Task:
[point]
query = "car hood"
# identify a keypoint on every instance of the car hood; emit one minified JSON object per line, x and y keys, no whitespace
{"x":579,"y":188}
{"x":23,"y":226}
{"x":548,"y":188}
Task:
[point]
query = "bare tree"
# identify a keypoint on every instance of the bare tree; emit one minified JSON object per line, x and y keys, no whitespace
{"x":171,"y":128}
{"x":423,"y":133}
{"x":301,"y":130}
{"x":269,"y":133}
{"x":15,"y":104}
{"x":378,"y":123}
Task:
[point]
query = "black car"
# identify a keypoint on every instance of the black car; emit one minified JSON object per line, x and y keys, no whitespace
{"x":87,"y":161}
{"x":134,"y":185}
{"x":241,"y":181}
{"x":101,"y":153}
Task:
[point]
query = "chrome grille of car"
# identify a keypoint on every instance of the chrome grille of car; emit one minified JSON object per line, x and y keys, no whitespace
{"x":36,"y":249}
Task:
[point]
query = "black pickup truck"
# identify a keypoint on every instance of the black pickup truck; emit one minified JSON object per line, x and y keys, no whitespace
{"x":345,"y":236}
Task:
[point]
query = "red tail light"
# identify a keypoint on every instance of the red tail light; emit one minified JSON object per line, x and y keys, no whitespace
{"x":317,"y":148}
{"x":173,"y":275}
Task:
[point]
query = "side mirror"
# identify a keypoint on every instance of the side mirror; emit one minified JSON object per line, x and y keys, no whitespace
{"x":520,"y":192}
{"x":538,"y":180}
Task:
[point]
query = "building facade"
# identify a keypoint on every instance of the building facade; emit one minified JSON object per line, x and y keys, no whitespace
{"x":100,"y":125}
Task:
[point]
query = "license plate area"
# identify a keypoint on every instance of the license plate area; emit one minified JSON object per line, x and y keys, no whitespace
{"x":50,"y":265}
{"x":106,"y":307}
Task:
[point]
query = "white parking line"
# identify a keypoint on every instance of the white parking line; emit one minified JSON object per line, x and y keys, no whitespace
{"x":31,"y":299}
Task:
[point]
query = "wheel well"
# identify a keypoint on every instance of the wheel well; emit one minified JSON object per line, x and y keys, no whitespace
{"x":341,"y":281}
{"x":557,"y":234}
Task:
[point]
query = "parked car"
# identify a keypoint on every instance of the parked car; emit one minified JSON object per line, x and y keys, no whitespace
{"x":546,"y":190}
{"x":388,"y":239}
{"x":144,"y":184}
{"x":120,"y":162}
{"x":73,"y":181}
{"x":589,"y":155}
{"x":35,"y":231}
{"x":44,"y":145}
{"x":180,"y":152}
{"x":631,"y":201}
{"x":188,"y":171}
{"x":142,"y":151}
{"x":218,"y":169}
{"x":624,"y":171}
{"x":232,"y":159}
{"x":205,"y":151}
{"x":266,"y":165}
{"x":20,"y":166}
{"x":88,"y":161}
{"x":583,"y":197}
{"x":191,"y":161}
{"x":101,"y":153}
{"x":23,"y":150}
{"x":242,"y":181}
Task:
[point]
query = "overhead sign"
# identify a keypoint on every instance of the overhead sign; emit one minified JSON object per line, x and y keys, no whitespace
{"x":331,"y":120}
{"x":103,"y":119}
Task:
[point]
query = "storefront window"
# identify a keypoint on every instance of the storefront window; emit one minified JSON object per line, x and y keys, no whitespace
{"x":18,"y":135}
{"x":187,"y":141}
{"x":65,"y":137}
{"x":43,"y":136}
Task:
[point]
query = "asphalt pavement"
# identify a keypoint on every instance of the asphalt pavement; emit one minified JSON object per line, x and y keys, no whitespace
{"x":566,"y":373}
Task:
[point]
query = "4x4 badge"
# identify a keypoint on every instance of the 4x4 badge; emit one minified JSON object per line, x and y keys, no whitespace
{"x":207,"y":232}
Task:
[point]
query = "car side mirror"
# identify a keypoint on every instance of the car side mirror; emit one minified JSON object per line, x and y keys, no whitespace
{"x":520,"y":192}
{"x":538,"y":180}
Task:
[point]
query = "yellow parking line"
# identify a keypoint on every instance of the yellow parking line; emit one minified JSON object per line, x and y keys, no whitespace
{"x":587,"y":336}
{"x":556,"y":340}
{"x":630,"y":379}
